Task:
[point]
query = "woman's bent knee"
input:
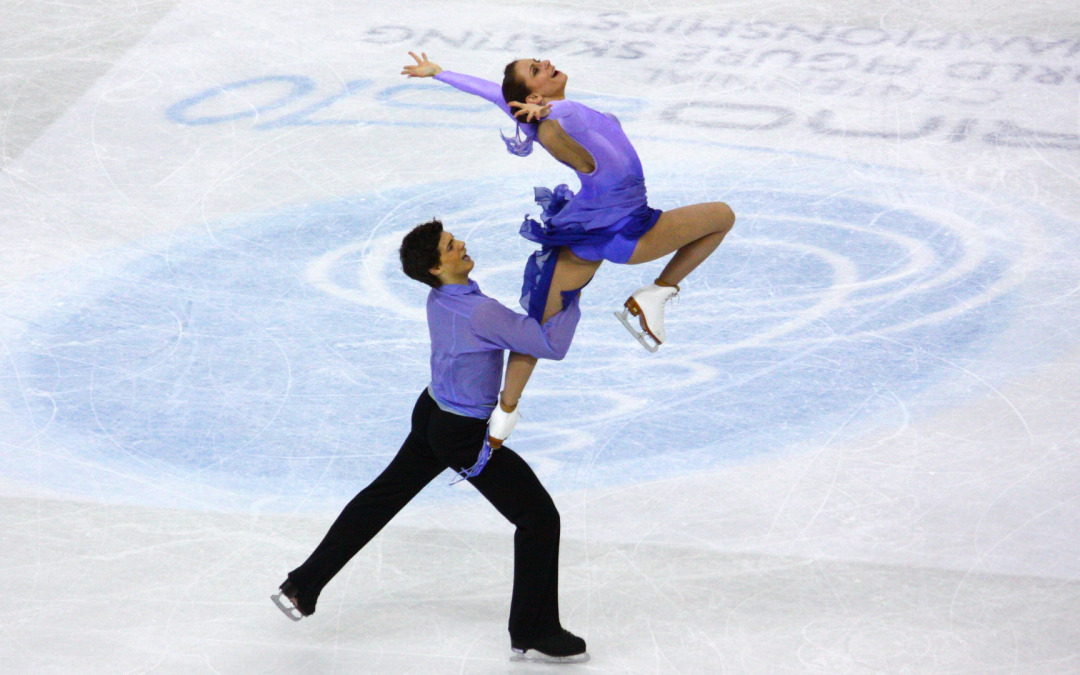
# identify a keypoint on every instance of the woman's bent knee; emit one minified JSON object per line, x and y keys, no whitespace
{"x":724,"y":216}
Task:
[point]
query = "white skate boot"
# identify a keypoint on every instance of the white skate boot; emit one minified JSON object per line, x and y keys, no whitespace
{"x":500,"y":425}
{"x":647,"y":303}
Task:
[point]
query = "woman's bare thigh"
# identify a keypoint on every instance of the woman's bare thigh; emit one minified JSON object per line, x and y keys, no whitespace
{"x":678,"y":227}
{"x":571,"y":273}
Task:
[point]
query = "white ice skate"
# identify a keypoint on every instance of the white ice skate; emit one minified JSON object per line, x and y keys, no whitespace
{"x":647,"y":303}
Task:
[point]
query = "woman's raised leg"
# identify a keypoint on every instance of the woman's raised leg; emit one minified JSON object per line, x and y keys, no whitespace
{"x":693,"y":232}
{"x":571,"y":272}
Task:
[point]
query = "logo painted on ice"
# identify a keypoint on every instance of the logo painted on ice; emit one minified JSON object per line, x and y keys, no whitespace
{"x":291,"y":348}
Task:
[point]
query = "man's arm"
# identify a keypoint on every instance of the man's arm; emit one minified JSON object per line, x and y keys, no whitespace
{"x":527,"y":341}
{"x":503,"y":328}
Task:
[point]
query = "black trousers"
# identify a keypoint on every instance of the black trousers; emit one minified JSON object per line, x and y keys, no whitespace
{"x":438,"y":440}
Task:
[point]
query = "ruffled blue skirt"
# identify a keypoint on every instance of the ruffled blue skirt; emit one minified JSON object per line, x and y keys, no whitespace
{"x":615,"y":243}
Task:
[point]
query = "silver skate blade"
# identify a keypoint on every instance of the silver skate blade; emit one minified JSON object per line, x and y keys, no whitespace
{"x":288,"y":610}
{"x":623,"y":318}
{"x":533,"y":656}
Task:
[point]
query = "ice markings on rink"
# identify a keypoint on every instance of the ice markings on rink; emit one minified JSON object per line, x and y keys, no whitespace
{"x":279,"y":101}
{"x":852,"y":82}
{"x":292,"y":348}
{"x":824,"y":313}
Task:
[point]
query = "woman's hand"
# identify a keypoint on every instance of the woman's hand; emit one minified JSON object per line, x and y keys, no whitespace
{"x":532,"y":112}
{"x":423,"y":67}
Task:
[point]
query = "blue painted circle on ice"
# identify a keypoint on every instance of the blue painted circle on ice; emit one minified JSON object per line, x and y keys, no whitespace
{"x":289,"y":348}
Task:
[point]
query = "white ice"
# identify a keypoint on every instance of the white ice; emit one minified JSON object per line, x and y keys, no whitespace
{"x":858,"y":452}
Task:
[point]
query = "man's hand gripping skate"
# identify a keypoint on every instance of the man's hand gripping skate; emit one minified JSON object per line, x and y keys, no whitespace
{"x":500,"y":424}
{"x":502,"y":421}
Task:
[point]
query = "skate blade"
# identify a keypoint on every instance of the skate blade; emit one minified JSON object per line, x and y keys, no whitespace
{"x":288,"y":610}
{"x":623,"y":317}
{"x":534,"y":656}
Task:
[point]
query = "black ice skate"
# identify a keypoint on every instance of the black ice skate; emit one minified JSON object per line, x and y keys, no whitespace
{"x":563,"y":647}
{"x":297,"y":608}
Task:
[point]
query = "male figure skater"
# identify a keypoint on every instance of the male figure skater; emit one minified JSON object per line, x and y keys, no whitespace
{"x":469,"y":332}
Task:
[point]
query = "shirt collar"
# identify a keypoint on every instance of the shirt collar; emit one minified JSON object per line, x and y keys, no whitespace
{"x":459,"y":289}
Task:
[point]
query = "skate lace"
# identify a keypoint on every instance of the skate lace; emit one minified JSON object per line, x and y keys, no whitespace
{"x":673,"y":299}
{"x":475,"y":469}
{"x":663,"y":306}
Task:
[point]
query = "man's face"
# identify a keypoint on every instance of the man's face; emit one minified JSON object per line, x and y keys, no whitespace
{"x":454,"y":263}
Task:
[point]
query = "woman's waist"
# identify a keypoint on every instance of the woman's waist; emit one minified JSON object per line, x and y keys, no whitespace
{"x":587,"y":204}
{"x":611,"y":178}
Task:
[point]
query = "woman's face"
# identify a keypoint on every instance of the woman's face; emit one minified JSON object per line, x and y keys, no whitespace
{"x":541,"y":78}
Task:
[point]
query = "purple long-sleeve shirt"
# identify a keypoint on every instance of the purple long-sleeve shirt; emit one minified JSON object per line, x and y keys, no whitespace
{"x":469,"y":332}
{"x":614,"y":190}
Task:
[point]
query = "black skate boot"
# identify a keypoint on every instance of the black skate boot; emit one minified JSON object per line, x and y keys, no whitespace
{"x":300,"y":606}
{"x":563,"y":647}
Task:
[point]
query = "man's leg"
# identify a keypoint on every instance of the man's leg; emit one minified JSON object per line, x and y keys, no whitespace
{"x":414,"y":467}
{"x":512,"y":488}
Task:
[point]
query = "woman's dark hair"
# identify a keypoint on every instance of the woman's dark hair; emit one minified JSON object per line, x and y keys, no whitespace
{"x":420,"y":252}
{"x":513,"y":89}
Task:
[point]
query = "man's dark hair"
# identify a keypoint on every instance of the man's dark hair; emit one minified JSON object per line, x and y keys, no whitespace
{"x":420,"y":252}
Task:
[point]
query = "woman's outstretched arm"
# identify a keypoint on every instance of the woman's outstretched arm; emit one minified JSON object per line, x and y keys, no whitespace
{"x":423,"y":67}
{"x":485,"y":89}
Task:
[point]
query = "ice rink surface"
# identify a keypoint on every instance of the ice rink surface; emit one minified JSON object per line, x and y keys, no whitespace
{"x":858,"y":452}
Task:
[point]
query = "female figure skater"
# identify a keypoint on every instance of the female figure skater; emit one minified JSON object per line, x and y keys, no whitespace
{"x":608,"y":219}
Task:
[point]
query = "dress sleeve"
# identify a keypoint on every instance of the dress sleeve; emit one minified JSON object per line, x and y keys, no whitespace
{"x":477,"y":87}
{"x":569,"y":115}
{"x":499,"y":327}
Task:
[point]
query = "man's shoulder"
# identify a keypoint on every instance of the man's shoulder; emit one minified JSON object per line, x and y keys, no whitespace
{"x":460,"y":303}
{"x":490,"y":317}
{"x":484,"y":305}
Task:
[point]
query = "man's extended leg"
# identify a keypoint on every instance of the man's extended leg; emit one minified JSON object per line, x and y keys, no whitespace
{"x":414,"y":467}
